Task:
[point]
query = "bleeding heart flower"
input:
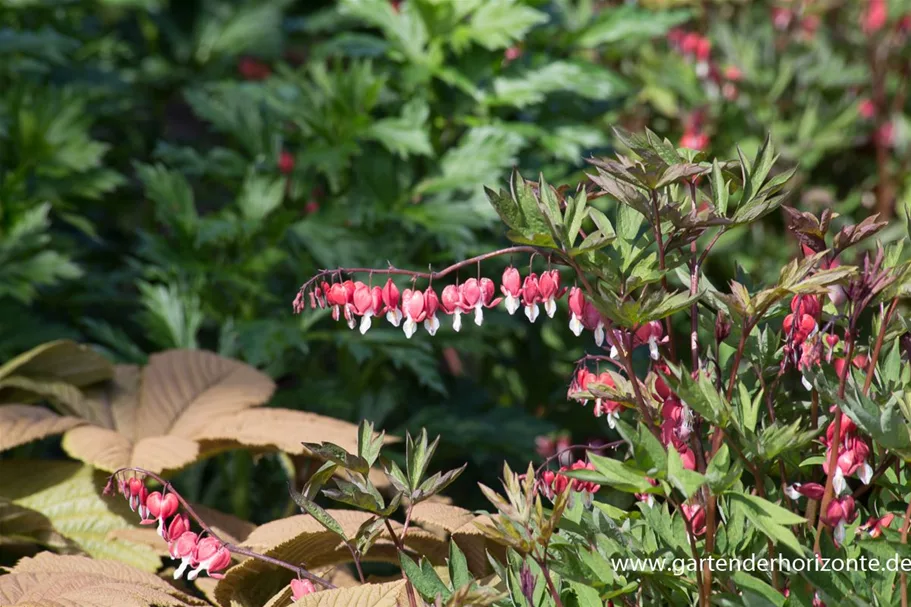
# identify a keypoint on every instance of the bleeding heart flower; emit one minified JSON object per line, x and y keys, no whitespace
{"x":799,"y":330}
{"x":531,"y":296}
{"x":451,"y":303}
{"x":695,"y":516}
{"x":576,"y":310}
{"x":511,"y":288}
{"x":367,"y":302}
{"x":813,"y":491}
{"x":431,"y":305}
{"x":180,"y":524}
{"x":839,"y":514}
{"x":652,"y":333}
{"x":391,"y":303}
{"x":183,"y":547}
{"x":210,"y":556}
{"x":874,"y":526}
{"x":413,"y":305}
{"x":138,"y":496}
{"x":603,"y":405}
{"x":477,"y":295}
{"x":550,"y":291}
{"x":160,"y":507}
{"x":300,"y":589}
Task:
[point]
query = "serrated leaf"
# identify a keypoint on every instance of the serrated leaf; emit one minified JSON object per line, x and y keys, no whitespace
{"x":424,"y":579}
{"x":317,"y":512}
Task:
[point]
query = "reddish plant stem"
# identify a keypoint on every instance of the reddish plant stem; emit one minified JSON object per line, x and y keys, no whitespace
{"x":391,"y":270}
{"x":835,"y":445}
{"x":400,"y":546}
{"x":233,"y":548}
{"x":662,"y":265}
{"x":812,"y":505}
{"x":550,"y":583}
{"x":871,"y":366}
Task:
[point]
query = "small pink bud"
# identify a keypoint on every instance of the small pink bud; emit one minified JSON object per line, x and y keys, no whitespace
{"x":285,"y":162}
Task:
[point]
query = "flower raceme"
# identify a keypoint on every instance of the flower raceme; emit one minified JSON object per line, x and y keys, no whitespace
{"x":196,"y":553}
{"x":552,"y":483}
{"x":353,"y":300}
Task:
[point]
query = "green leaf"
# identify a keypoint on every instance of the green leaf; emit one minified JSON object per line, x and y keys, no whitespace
{"x":417,"y":456}
{"x":318,"y":513}
{"x":669,"y":305}
{"x":423,"y":578}
{"x":407,"y":135}
{"x":629,"y":24}
{"x":499,"y":23}
{"x":459,"y":574}
{"x":746,"y":582}
{"x":614,"y":473}
{"x":69,"y":495}
{"x":436,"y":483}
{"x":649,"y":452}
{"x":720,"y":474}
{"x":334,"y":453}
{"x":770,"y":519}
{"x":532,"y":86}
{"x":576,"y":212}
{"x":260,"y":195}
{"x":719,"y":190}
{"x":685,"y":481}
{"x":369,"y":443}
{"x":171,"y":194}
{"x":581,"y":595}
{"x":319,"y":478}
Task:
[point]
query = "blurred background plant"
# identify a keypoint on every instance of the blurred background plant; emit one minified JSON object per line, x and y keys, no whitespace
{"x":170,"y":172}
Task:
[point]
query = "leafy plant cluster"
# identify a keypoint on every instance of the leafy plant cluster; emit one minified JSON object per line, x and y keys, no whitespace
{"x":744,"y":306}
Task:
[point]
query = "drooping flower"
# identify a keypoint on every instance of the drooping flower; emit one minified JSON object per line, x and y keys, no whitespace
{"x":413,"y":305}
{"x":338,"y":297}
{"x":391,"y":303}
{"x":160,"y":508}
{"x":179,"y":525}
{"x":183,"y":547}
{"x":550,"y":291}
{"x":367,"y":302}
{"x":477,"y":295}
{"x":813,"y":491}
{"x":431,"y":305}
{"x":451,"y":304}
{"x":838,"y":515}
{"x":138,"y":496}
{"x":695,"y":516}
{"x":576,"y":310}
{"x":874,"y":526}
{"x":652,"y":333}
{"x":511,"y":289}
{"x":210,"y":556}
{"x":301,"y":588}
{"x":551,"y":483}
{"x":531,"y":296}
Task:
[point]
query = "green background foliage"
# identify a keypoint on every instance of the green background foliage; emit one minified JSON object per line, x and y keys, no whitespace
{"x":143,"y":204}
